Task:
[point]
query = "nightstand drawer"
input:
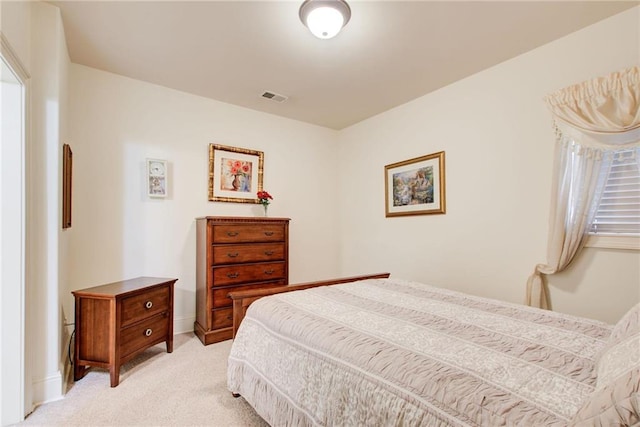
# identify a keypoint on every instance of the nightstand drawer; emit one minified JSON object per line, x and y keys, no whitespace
{"x":144,"y":305}
{"x":248,"y":273}
{"x":144,"y":334}
{"x":221,"y":295}
{"x":248,"y":233}
{"x":236,"y":254}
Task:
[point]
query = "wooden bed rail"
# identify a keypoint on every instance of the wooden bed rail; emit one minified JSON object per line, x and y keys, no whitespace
{"x":242,"y":299}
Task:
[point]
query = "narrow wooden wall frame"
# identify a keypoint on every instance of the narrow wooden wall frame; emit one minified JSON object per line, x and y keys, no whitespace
{"x":67,"y":172}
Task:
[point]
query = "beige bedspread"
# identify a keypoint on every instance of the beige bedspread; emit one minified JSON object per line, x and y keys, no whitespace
{"x":393,"y":352}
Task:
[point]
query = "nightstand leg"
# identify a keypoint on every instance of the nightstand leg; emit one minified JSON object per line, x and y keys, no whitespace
{"x":114,"y":373}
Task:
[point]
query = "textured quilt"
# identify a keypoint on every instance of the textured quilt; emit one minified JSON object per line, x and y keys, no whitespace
{"x":393,"y":352}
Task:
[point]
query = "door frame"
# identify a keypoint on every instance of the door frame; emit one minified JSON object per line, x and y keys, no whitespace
{"x":15,"y":406}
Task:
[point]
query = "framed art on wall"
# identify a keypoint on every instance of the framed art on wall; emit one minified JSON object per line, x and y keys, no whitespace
{"x":235,"y":174}
{"x":67,"y":175}
{"x":157,"y":179}
{"x":415,"y":186}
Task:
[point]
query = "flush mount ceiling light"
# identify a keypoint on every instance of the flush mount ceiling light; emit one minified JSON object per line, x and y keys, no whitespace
{"x":325,"y":18}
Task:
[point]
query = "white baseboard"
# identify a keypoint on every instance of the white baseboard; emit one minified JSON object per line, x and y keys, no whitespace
{"x":183,"y":324}
{"x":47,"y":389}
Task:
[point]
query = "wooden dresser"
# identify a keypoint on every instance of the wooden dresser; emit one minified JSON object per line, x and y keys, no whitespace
{"x":118,"y":321}
{"x":234,"y":254}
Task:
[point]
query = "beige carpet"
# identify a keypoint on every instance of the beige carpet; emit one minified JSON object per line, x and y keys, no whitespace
{"x":184,"y":388}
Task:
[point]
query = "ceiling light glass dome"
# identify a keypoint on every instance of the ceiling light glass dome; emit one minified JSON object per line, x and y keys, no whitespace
{"x":325,"y":18}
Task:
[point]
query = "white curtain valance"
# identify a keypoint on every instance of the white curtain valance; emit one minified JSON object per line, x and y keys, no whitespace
{"x":602,"y":141}
{"x":601,"y":106}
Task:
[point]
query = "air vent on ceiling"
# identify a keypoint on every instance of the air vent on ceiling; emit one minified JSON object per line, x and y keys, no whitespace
{"x":274,"y":96}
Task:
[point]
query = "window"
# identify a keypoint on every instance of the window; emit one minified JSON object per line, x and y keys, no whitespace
{"x":617,"y":216}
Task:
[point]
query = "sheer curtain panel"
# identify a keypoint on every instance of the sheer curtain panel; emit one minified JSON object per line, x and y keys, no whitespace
{"x":593,"y":120}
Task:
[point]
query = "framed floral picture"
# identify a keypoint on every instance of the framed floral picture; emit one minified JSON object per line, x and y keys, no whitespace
{"x":415,"y":186}
{"x":157,"y":180}
{"x":235,"y":174}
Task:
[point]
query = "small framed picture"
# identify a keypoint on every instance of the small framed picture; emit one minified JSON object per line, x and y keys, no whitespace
{"x":235,"y":174}
{"x":157,"y":179}
{"x":415,"y":186}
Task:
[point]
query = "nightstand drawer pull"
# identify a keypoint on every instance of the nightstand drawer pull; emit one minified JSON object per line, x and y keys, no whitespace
{"x":269,"y":271}
{"x":148,"y":332}
{"x":233,"y":275}
{"x":268,"y":233}
{"x":148,"y":305}
{"x":232,"y":233}
{"x":268,"y":253}
{"x":230,"y":255}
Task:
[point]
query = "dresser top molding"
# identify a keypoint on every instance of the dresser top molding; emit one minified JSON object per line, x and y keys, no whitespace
{"x":252,"y":219}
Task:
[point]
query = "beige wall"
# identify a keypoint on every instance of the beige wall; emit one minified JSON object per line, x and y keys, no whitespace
{"x":15,"y":24}
{"x":49,"y":61}
{"x":497,"y":136}
{"x":35,"y":34}
{"x":119,"y":233}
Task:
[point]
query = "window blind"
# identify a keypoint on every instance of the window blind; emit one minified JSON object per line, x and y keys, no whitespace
{"x":619,"y":209}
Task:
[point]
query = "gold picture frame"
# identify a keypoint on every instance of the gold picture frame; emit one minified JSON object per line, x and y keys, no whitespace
{"x":235,"y":174}
{"x":67,"y":184}
{"x":415,"y":186}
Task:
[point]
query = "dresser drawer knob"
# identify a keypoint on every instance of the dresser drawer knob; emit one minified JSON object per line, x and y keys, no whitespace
{"x":229,"y":317}
{"x":232,"y":233}
{"x":148,"y":332}
{"x":233,"y":275}
{"x":269,"y":271}
{"x":232,"y":255}
{"x":268,"y":233}
{"x":268,"y":253}
{"x":148,"y":305}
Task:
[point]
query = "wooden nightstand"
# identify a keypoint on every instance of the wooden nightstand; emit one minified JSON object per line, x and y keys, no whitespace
{"x":118,"y":321}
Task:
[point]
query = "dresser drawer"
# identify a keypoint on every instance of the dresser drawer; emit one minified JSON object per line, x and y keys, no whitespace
{"x":147,"y":304}
{"x":235,"y":254}
{"x":245,"y":273}
{"x":143,"y":334}
{"x":222,"y":317}
{"x":221,"y":298}
{"x":226,"y":233}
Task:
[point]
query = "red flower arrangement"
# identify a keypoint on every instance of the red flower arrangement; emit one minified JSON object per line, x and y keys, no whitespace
{"x":264,"y":197}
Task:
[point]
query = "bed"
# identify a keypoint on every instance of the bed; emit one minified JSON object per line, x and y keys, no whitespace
{"x":383,"y":351}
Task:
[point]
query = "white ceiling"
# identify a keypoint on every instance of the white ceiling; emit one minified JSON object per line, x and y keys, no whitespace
{"x":389,"y":53}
